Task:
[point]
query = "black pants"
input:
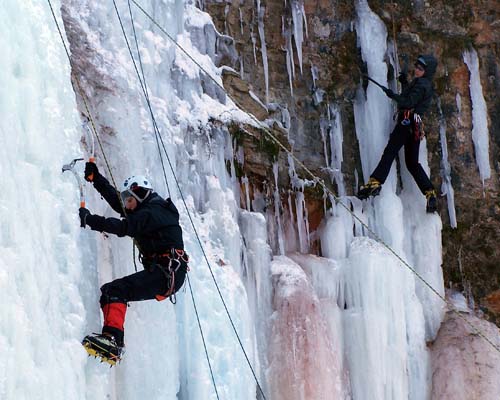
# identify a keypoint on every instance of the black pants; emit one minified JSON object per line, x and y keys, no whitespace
{"x":143,"y":285}
{"x":403,"y":136}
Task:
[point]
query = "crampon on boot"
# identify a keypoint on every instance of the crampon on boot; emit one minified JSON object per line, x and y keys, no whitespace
{"x":372,"y":188}
{"x":431,"y":197}
{"x":103,"y":346}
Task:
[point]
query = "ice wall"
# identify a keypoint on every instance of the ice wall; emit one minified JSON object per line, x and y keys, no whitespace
{"x":480,"y":134}
{"x":256,"y":276}
{"x":45,"y":285}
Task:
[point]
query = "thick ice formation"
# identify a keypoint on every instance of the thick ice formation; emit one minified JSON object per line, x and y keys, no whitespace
{"x":464,"y":365}
{"x":373,"y":109}
{"x":480,"y":134}
{"x":257,"y":279}
{"x":302,"y":357}
{"x":398,"y":221}
{"x":382,"y":320}
{"x":45,"y":286}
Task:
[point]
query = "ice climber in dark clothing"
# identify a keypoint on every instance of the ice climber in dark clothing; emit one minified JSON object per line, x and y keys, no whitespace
{"x":413,"y":102}
{"x":154,"y":224}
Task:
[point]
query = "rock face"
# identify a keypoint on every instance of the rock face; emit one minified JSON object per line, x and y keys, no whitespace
{"x":300,"y":58}
{"x":465,"y":366}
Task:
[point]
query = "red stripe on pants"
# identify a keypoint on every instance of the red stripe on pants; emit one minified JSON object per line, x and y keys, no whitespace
{"x":114,"y":315}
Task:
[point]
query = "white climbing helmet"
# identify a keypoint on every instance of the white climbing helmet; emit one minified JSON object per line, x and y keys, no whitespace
{"x":137,"y":186}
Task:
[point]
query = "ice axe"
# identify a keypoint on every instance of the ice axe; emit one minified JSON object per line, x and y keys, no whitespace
{"x":70,"y":167}
{"x":375,"y":82}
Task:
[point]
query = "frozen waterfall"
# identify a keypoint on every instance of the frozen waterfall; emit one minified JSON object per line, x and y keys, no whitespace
{"x":351,"y":324}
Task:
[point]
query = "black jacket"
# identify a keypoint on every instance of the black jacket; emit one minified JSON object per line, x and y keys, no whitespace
{"x":154,"y":224}
{"x":417,"y":94}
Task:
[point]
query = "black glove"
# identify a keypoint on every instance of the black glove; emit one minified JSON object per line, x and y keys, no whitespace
{"x":90,"y":171}
{"x":84,"y":213}
{"x":388,"y":92}
{"x":403,"y":78}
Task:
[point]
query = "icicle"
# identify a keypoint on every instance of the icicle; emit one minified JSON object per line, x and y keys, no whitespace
{"x":323,"y":128}
{"x":300,"y":207}
{"x":458,"y":100}
{"x":480,"y":135}
{"x":336,"y":141}
{"x":314,"y":74}
{"x":446,"y":186}
{"x":241,"y":20}
{"x":242,"y":69}
{"x":254,"y":44}
{"x":301,"y":222}
{"x":226,"y":11}
{"x":263,"y":46}
{"x":299,"y":24}
{"x":245,"y":183}
{"x":277,"y":203}
{"x":285,"y":118}
{"x":290,"y":66}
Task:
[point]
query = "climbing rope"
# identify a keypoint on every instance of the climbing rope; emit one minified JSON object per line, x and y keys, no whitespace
{"x":202,"y":337}
{"x":84,"y":99}
{"x":395,"y":44}
{"x":145,"y":90}
{"x":143,"y":86}
{"x":320,"y":181}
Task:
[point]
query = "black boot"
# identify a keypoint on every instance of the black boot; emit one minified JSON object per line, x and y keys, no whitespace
{"x":431,"y":197}
{"x":372,"y":188}
{"x":103,"y":346}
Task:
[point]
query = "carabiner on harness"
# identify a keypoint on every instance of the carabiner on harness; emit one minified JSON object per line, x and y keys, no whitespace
{"x":406,"y":118}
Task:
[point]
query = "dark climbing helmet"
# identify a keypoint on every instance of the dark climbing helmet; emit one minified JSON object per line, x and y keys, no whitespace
{"x":429,"y":63}
{"x":137,"y":186}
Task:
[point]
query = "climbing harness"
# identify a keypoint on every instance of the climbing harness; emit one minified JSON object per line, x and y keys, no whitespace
{"x":169,"y":263}
{"x":418,"y":125}
{"x":406,"y":118}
